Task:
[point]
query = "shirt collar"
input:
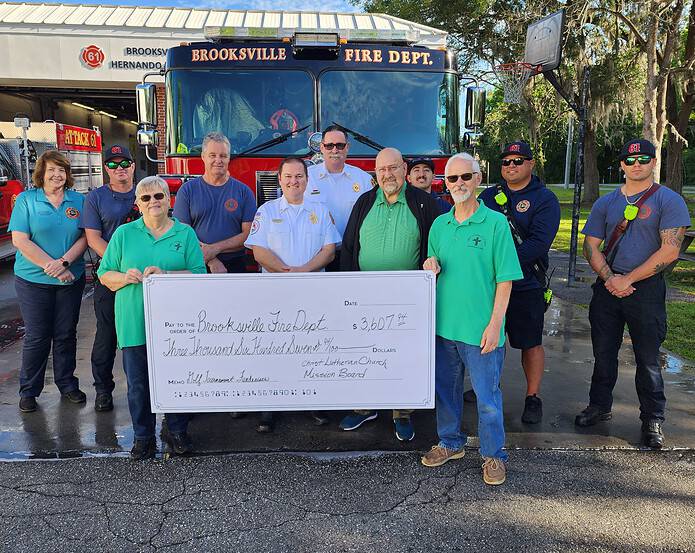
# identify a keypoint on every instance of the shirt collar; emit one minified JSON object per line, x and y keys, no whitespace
{"x":285,"y":205}
{"x":324,"y":172}
{"x":477,"y":217}
{"x":41,"y":196}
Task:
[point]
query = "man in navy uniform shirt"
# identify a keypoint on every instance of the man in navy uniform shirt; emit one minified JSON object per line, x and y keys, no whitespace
{"x":420,"y":175}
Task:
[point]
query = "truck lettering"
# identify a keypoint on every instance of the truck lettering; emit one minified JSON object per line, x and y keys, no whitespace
{"x":243,"y":54}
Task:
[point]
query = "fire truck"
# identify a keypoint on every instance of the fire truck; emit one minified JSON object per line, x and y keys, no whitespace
{"x":271,"y":90}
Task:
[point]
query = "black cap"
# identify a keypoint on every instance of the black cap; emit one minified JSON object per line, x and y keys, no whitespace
{"x":519,"y":148}
{"x":117,"y":151}
{"x":420,"y":161}
{"x":637,"y":147}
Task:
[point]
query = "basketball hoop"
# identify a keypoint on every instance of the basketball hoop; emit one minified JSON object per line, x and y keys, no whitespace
{"x":513,"y":77}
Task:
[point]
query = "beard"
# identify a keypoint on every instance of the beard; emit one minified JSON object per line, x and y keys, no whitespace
{"x":461,"y":197}
{"x":391,"y":187}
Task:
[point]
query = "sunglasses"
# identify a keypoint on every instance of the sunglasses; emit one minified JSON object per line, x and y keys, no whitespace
{"x":516,"y":161}
{"x":340,"y":146}
{"x":642,"y":160}
{"x":147,"y":197}
{"x":124,"y":163}
{"x":451,"y":179}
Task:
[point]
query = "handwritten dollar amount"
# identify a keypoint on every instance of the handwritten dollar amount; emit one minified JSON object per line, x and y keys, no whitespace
{"x":375,"y":324}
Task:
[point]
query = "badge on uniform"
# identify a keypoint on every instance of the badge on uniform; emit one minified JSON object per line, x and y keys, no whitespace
{"x":313,"y":218}
{"x":356,"y":186}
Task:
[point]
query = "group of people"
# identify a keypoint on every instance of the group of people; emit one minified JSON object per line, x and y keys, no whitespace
{"x":490,"y":255}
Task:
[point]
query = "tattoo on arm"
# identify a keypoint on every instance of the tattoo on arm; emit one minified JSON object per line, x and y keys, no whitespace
{"x":588,"y":250}
{"x":605,"y":272}
{"x":659,"y":267}
{"x":672,"y":236}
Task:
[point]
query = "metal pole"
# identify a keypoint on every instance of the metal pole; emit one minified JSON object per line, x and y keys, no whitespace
{"x":568,"y":151}
{"x":25,"y":145}
{"x":578,"y":178}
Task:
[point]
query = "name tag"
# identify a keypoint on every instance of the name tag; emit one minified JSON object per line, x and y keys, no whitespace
{"x":277,"y":220}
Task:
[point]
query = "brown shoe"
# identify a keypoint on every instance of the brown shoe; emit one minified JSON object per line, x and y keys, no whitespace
{"x":494,"y":471}
{"x":439,"y":455}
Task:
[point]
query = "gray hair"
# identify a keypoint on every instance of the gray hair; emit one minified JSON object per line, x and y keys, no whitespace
{"x":475,"y":166}
{"x":148,"y":183}
{"x":216,"y":136}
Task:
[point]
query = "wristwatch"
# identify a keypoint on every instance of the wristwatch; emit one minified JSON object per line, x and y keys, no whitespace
{"x":66,"y":263}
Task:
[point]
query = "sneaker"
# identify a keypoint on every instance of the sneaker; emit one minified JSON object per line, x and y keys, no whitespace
{"x":27,"y":404}
{"x":469,"y":396}
{"x":652,"y":435}
{"x":143,"y":449}
{"x":404,"y":429}
{"x":494,"y":471}
{"x":533,"y":410}
{"x":592,"y":415}
{"x":103,"y":402}
{"x":439,"y":455}
{"x":75,"y":396}
{"x":179,"y":442}
{"x":320,"y":418}
{"x":265,"y":425}
{"x":355,"y":420}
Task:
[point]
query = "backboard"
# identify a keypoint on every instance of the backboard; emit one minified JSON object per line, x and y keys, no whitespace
{"x":544,"y":41}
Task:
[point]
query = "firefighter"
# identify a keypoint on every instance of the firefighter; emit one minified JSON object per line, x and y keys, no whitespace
{"x":387,"y":231}
{"x":105,"y":209}
{"x":336,"y":184}
{"x":420,"y":175}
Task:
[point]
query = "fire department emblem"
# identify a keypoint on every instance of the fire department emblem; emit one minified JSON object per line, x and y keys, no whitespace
{"x":523,"y":206}
{"x":313,"y":218}
{"x":644,"y":212}
{"x":13,"y":200}
{"x":633,"y":148}
{"x":515,"y":148}
{"x":72,"y":213}
{"x":92,"y":56}
{"x":255,"y":225}
{"x":356,"y":187}
{"x":231,"y":205}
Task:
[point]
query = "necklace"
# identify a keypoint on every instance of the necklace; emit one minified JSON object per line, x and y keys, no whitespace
{"x":631,"y":210}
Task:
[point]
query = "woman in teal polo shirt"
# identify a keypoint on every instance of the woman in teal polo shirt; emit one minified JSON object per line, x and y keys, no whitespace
{"x":154,"y":244}
{"x":49,"y":277}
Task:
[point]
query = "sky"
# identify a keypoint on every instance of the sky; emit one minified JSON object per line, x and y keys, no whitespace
{"x":283,"y":5}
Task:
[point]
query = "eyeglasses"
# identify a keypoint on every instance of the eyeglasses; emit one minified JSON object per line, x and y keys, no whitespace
{"x":451,"y":179}
{"x":147,"y":197}
{"x":642,"y":160}
{"x":516,"y":161}
{"x":340,"y":146}
{"x":124,"y":163}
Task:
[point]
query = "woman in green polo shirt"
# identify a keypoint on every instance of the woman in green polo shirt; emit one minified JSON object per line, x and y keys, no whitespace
{"x":153,"y":244}
{"x":49,"y":277}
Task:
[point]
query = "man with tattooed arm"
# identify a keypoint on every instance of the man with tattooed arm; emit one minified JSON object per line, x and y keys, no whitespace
{"x":642,"y":226}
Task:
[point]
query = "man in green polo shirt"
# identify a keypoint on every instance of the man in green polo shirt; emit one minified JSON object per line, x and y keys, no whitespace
{"x":472,"y":251}
{"x":387,"y":231}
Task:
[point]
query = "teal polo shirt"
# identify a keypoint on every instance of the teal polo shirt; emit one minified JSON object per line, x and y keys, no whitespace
{"x":389,"y":236}
{"x":54,"y":230}
{"x":474,"y":256}
{"x":133,"y":247}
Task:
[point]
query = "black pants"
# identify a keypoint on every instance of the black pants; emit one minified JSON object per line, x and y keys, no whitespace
{"x":644,"y":312}
{"x":104,"y":347}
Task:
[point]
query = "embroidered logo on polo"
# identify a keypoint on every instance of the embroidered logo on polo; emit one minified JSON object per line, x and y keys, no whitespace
{"x":176,"y":246}
{"x":476,"y":241}
{"x":72,"y":213}
{"x":231,"y":205}
{"x":523,"y":206}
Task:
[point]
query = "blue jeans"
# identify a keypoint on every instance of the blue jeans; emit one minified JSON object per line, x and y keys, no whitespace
{"x":144,"y":420}
{"x":452,"y":359}
{"x":50,"y":313}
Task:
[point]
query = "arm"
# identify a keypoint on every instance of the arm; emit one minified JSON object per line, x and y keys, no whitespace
{"x":269,"y":261}
{"x":598,"y":263}
{"x":541,"y":232}
{"x":491,"y":335}
{"x":29,"y":249}
{"x":318,"y":262}
{"x":115,"y":280}
{"x":95,"y":241}
{"x":232,"y":244}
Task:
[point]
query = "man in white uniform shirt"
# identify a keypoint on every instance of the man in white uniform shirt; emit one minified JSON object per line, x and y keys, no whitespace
{"x":293,"y":234}
{"x":336,"y":184}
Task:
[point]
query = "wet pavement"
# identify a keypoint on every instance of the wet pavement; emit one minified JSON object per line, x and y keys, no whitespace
{"x":61,"y":429}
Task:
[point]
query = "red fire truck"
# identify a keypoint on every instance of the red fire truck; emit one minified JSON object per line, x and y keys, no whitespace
{"x":270,"y":90}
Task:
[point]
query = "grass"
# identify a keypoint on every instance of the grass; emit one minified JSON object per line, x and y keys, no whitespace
{"x":681,"y":338}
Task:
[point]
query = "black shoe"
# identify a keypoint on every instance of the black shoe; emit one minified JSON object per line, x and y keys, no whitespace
{"x":103,"y":402}
{"x":592,"y":415}
{"x":533,"y":410}
{"x":237,"y":414}
{"x":265,"y":425}
{"x":469,"y":396}
{"x":75,"y":396}
{"x":27,"y":404}
{"x":179,"y":442}
{"x":320,"y":418}
{"x":652,"y":436}
{"x":143,"y":449}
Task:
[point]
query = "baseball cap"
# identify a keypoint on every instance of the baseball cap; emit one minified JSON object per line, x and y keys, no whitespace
{"x":117,"y":151}
{"x":637,"y":147}
{"x":420,"y":161}
{"x":518,"y":148}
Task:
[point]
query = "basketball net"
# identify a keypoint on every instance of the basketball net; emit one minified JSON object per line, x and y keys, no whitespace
{"x":513,"y":77}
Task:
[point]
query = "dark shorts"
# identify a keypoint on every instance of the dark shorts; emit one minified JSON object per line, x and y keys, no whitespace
{"x":524,"y":322}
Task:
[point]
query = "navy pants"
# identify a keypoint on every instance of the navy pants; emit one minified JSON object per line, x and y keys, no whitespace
{"x":644,"y":312}
{"x":144,"y":421}
{"x":50,"y":313}
{"x":104,"y":347}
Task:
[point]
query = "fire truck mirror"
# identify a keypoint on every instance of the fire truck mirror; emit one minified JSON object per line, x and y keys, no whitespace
{"x":475,"y":107}
{"x":146,"y":99}
{"x":148,"y":137}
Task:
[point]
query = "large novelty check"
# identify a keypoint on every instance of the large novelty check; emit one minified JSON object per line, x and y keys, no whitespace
{"x":301,"y":341}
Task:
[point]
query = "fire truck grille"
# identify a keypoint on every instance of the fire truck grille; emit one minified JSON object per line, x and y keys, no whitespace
{"x":267,"y":186}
